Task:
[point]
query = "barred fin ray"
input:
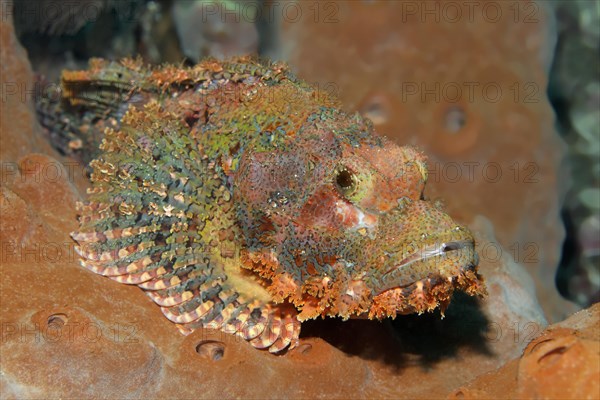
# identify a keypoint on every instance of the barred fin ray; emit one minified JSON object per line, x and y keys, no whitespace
{"x":255,"y":325}
{"x":117,"y":233}
{"x":109,"y":257}
{"x":236,"y":323}
{"x":269,"y":335}
{"x":286,"y":336}
{"x":131,"y":267}
{"x":189,"y":316}
{"x":197,"y":307}
{"x":221,"y":300}
{"x":171,"y":279}
{"x":162,"y":266}
{"x":180,"y":274}
{"x":230,"y":311}
{"x":176,"y":295}
{"x":135,"y":279}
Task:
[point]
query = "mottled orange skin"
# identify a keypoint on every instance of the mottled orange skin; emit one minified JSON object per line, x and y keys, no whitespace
{"x":242,"y":199}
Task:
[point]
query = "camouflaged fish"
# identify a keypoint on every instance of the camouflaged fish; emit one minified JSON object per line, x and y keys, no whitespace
{"x":240,"y":198}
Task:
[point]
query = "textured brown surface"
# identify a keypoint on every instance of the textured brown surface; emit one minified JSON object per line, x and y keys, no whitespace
{"x":468,"y":86}
{"x":16,"y":95}
{"x":68,"y":333}
{"x":563,"y":362}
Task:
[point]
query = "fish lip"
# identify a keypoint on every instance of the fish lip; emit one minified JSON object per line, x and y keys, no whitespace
{"x":426,"y":287}
{"x":434,"y":250}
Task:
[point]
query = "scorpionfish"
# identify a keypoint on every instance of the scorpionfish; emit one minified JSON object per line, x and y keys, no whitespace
{"x":240,"y":198}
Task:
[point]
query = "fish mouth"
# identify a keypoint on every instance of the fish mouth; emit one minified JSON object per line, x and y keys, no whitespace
{"x":439,"y":261}
{"x":435,"y":250}
{"x":425,"y":279}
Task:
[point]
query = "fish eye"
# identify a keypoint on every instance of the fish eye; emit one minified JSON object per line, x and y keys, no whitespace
{"x":345,"y":180}
{"x":353,"y":183}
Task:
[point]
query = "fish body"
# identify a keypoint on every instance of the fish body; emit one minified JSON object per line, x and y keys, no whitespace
{"x":240,"y":198}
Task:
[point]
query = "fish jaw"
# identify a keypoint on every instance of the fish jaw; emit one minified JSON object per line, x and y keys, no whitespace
{"x":432,"y":257}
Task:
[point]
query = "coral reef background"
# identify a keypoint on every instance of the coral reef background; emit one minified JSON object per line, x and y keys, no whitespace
{"x":574,"y":90}
{"x":505,"y":100}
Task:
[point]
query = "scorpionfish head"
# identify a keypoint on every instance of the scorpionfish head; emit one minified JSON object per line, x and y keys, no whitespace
{"x":334,"y":221}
